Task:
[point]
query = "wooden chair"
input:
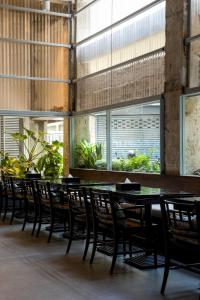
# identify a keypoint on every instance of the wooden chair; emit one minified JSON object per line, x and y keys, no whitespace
{"x":14,"y":196}
{"x":112,"y":227}
{"x":52,"y":209}
{"x":31,"y":208}
{"x":79,"y":216}
{"x":181,"y":227}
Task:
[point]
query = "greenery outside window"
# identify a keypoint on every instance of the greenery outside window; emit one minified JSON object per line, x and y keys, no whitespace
{"x":125,"y":139}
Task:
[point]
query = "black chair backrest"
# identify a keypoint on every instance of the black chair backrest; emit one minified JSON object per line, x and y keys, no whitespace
{"x":77,"y":200}
{"x":7,"y":185}
{"x":42,"y":192}
{"x":181,"y":218}
{"x":105,"y":210}
{"x":29,"y":190}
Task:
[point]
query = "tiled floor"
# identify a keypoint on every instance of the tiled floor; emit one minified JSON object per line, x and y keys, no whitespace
{"x":31,"y":269}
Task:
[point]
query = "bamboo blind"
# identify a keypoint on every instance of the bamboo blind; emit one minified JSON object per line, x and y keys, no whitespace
{"x":33,"y":60}
{"x":123,"y":63}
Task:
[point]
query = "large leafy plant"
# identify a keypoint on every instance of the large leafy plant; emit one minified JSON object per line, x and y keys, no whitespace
{"x":51,"y":163}
{"x":38,"y":155}
{"x":88,"y":154}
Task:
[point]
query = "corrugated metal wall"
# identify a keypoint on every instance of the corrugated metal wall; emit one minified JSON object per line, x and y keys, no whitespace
{"x":8,"y":125}
{"x":139,"y":133}
{"x":33,"y":60}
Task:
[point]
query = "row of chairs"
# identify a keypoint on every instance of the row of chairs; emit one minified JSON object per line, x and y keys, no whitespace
{"x":34,"y":201}
{"x":106,"y":224}
{"x":97,"y":214}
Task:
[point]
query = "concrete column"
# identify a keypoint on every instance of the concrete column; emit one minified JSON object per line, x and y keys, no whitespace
{"x":175,"y":80}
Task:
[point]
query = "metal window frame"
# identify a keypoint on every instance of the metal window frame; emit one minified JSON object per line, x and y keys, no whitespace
{"x":26,"y":113}
{"x":132,"y":15}
{"x":36,"y":11}
{"x":120,"y":64}
{"x":191,"y":39}
{"x":37,"y":43}
{"x":162,"y":135}
{"x":108,"y":140}
{"x":117,"y":105}
{"x":182,"y":135}
{"x":12,"y":76}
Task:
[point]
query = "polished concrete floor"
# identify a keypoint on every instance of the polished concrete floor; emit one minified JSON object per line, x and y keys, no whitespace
{"x":31,"y":269}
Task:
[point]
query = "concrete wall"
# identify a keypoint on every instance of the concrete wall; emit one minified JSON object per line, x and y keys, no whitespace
{"x":175,"y":80}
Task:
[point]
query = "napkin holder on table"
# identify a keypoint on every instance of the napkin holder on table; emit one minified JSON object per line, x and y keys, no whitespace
{"x":33,"y":176}
{"x":71,"y":179}
{"x":127,"y":186}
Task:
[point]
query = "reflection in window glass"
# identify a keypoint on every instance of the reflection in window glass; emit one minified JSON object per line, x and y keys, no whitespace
{"x":89,"y":141}
{"x":191,"y":136}
{"x":135,"y":135}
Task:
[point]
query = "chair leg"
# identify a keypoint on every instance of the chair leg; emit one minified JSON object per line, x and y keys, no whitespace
{"x":5,"y":209}
{"x":25,"y":217}
{"x":115,"y":250}
{"x":34,"y":225}
{"x":51,"y":228}
{"x":39,"y":224}
{"x":13,"y":213}
{"x":93,"y":248}
{"x":71,"y":233}
{"x":87,"y":242}
{"x":34,"y":221}
{"x":165,"y":275}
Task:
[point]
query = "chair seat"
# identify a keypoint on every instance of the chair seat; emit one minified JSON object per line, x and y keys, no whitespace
{"x":187,"y":239}
{"x":132,"y":223}
{"x":80,"y":218}
{"x":64,"y":206}
{"x":130,"y":207}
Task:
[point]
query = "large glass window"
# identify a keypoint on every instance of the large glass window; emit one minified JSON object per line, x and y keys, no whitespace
{"x":194,"y":41}
{"x":135,"y":135}
{"x":191,"y":135}
{"x":126,"y":139}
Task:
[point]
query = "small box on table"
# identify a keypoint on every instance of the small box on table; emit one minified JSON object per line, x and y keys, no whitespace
{"x":71,"y":180}
{"x":123,"y":186}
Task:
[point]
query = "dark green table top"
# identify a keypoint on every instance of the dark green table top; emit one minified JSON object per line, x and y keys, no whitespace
{"x":145,"y":193}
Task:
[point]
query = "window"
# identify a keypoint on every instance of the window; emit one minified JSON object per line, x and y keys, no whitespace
{"x":52,"y":128}
{"x":194,"y":42}
{"x":127,"y":139}
{"x":135,"y":135}
{"x":191,"y":135}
